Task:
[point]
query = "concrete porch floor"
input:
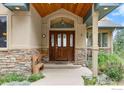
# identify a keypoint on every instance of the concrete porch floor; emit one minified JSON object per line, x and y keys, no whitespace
{"x":63,"y":75}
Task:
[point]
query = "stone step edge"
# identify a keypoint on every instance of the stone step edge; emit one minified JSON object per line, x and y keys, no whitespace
{"x":61,"y":66}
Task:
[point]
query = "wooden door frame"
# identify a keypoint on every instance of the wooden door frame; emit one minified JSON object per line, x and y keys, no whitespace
{"x":62,"y":31}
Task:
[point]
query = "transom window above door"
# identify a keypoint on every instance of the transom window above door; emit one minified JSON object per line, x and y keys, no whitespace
{"x":62,"y":22}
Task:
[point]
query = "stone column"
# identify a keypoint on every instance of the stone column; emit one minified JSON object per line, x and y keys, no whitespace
{"x":95,"y":41}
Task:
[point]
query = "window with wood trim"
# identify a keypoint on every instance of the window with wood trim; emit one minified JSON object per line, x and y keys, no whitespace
{"x":102,"y":39}
{"x":89,"y":39}
{"x":3,"y":31}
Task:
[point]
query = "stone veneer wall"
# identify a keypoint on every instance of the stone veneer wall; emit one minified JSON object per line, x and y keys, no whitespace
{"x":80,"y":56}
{"x":17,"y":61}
{"x":45,"y":58}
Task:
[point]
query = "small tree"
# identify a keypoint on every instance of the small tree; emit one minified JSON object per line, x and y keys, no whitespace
{"x":118,"y":42}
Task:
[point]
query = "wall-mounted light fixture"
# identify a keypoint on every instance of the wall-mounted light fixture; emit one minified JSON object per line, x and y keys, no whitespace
{"x":43,"y":35}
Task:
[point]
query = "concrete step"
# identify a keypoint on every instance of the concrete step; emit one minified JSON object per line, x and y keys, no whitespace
{"x":61,"y":66}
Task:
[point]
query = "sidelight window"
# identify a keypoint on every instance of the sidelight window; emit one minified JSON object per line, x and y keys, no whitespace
{"x":71,"y":40}
{"x":52,"y":40}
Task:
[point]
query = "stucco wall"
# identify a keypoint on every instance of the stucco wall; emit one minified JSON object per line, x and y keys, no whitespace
{"x":28,"y":26}
{"x":24,"y":28}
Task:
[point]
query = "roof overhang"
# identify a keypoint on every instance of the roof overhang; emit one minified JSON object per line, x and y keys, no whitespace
{"x":120,"y":27}
{"x":105,"y":27}
{"x":103,"y":9}
{"x":17,"y":6}
{"x":79,"y":9}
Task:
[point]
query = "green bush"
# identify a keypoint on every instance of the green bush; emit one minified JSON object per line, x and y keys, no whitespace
{"x":18,"y":77}
{"x":35,"y":77}
{"x":107,"y":59}
{"x":2,"y":80}
{"x":11,"y":77}
{"x":115,"y":72}
{"x":88,"y":81}
{"x":111,"y":65}
{"x":14,"y":77}
{"x":102,"y":61}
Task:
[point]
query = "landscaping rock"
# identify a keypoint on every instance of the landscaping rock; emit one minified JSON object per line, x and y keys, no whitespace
{"x":45,"y":59}
{"x":86,"y":72}
{"x":103,"y":79}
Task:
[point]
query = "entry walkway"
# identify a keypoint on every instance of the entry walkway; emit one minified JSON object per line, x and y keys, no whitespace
{"x":61,"y":75}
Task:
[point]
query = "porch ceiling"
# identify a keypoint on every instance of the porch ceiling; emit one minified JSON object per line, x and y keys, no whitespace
{"x":80,"y":9}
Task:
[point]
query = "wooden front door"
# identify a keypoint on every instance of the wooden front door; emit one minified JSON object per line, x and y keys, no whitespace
{"x":61,"y":46}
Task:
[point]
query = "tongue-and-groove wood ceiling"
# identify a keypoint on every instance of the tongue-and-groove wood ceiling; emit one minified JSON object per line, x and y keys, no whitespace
{"x":80,"y":9}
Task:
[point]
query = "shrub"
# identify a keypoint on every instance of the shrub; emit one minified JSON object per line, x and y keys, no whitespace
{"x":88,"y":81}
{"x":11,"y":77}
{"x":111,"y":65}
{"x":19,"y":78}
{"x":107,"y":59}
{"x":2,"y":80}
{"x":102,"y":61}
{"x":115,"y":72}
{"x":35,"y":77}
{"x":17,"y":83}
{"x":14,"y":77}
{"x":103,"y":57}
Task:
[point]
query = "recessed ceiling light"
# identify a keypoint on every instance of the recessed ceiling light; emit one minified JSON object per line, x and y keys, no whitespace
{"x":17,"y":8}
{"x":105,"y":8}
